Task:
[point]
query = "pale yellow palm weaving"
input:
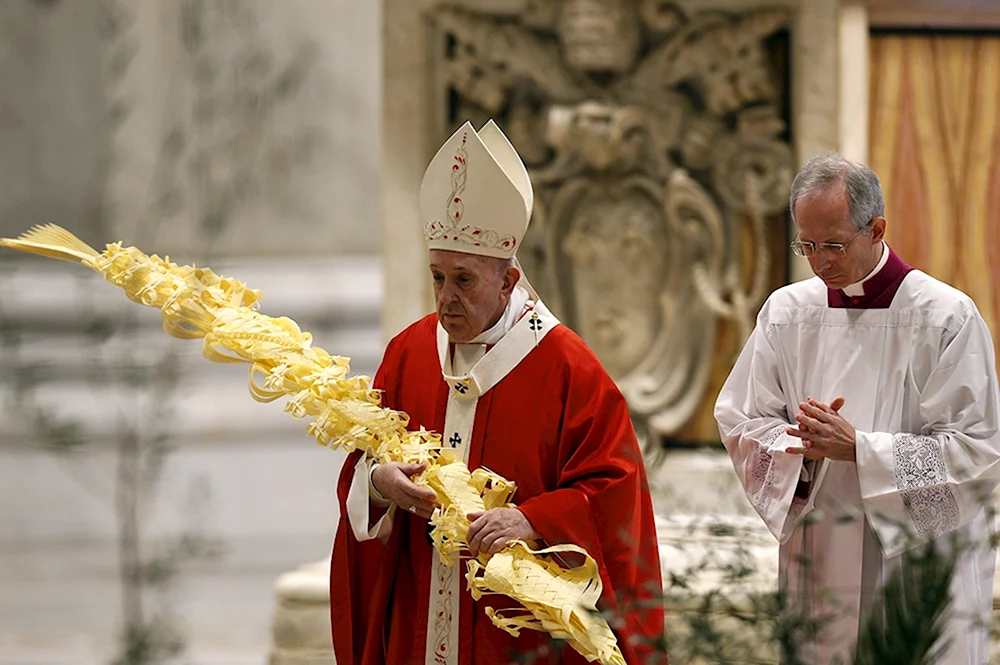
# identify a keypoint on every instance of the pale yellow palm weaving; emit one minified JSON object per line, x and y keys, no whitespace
{"x":347,"y":414}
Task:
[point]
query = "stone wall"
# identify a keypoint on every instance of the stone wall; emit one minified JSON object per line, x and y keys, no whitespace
{"x":52,"y":137}
{"x":149,"y":122}
{"x":242,"y":135}
{"x":152,"y":120}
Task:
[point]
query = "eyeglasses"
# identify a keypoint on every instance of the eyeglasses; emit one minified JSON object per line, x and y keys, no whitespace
{"x":800,"y":248}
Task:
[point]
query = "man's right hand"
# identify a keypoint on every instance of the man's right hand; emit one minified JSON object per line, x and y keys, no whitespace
{"x":392,"y":480}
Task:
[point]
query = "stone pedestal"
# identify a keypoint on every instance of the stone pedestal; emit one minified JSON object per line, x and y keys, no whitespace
{"x":301,"y":632}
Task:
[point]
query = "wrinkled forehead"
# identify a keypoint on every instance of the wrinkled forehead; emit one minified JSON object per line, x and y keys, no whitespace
{"x":823,"y":216}
{"x":450,"y":261}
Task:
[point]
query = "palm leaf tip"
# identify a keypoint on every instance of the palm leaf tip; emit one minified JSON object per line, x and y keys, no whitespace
{"x":54,"y":242}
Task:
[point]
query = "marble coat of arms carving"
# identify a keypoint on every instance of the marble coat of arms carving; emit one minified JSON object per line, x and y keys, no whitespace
{"x":658,"y":153}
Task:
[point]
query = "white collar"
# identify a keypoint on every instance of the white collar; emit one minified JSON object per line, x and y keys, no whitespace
{"x":525,"y":335}
{"x":858,"y":289}
{"x":515,"y":308}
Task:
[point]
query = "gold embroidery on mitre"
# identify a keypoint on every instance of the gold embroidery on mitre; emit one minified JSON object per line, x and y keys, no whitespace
{"x":452,"y":228}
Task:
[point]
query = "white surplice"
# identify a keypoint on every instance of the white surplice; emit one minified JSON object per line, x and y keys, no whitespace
{"x":920,"y":386}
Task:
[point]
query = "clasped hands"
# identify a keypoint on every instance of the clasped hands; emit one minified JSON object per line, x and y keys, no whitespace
{"x":823,"y":431}
{"x":490,"y":530}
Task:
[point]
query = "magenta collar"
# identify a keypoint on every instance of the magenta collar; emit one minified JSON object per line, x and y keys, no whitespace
{"x":880,"y":289}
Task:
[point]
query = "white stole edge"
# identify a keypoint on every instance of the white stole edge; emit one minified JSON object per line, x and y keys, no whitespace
{"x":441,"y":645}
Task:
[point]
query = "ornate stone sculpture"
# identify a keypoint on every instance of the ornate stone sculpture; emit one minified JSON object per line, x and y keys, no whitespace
{"x":657,"y":152}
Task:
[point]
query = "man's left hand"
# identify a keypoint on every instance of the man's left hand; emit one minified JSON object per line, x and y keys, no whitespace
{"x":491,"y":530}
{"x":824,"y":432}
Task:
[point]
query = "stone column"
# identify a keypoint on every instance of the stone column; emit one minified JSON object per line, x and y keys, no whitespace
{"x":854,"y":80}
{"x":407,"y":145}
{"x":815,"y":91}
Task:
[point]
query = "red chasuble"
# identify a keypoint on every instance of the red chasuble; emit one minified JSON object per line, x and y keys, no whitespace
{"x":559,"y":428}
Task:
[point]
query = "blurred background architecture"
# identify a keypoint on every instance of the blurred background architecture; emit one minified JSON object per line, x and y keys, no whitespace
{"x":244,"y":136}
{"x":148,"y":501}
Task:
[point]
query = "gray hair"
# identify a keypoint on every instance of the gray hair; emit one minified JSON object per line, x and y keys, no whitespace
{"x":503,"y":264}
{"x":865,"y":200}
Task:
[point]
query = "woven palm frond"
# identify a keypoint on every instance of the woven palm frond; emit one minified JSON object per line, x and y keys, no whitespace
{"x":54,"y":242}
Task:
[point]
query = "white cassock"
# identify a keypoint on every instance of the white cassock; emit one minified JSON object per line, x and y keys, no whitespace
{"x":920,"y":386}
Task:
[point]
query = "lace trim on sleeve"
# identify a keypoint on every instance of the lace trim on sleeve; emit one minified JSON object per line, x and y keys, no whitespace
{"x":922,"y":480}
{"x":761,"y":471}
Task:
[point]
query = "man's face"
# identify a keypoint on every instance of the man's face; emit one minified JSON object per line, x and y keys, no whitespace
{"x":471,"y":292}
{"x":825,"y":218}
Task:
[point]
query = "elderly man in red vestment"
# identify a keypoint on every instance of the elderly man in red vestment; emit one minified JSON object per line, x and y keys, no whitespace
{"x":511,"y":390}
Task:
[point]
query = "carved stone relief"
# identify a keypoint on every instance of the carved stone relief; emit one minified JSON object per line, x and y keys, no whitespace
{"x":658,"y":152}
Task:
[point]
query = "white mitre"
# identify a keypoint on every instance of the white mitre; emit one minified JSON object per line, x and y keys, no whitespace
{"x":476,"y":195}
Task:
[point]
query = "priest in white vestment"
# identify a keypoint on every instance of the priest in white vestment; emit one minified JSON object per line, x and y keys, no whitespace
{"x":861,"y":418}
